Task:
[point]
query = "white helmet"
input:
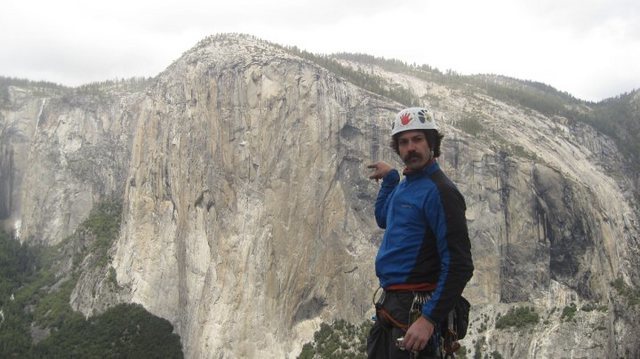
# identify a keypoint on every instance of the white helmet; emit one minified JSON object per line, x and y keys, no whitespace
{"x":413,"y":118}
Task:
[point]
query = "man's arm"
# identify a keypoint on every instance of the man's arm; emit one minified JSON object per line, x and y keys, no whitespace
{"x":448,"y":222}
{"x":390,"y":178}
{"x":446,"y":216}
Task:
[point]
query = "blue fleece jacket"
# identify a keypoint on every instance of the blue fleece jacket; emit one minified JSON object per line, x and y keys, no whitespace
{"x":426,"y":238}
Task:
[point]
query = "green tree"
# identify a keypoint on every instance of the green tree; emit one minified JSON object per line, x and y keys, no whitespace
{"x":518,"y":318}
{"x":34,"y":290}
{"x":124,"y":331}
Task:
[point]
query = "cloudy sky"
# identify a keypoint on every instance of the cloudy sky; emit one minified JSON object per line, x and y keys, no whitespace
{"x":589,"y":48}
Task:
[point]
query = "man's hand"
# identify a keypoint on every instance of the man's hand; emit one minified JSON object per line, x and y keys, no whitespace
{"x":418,"y":334}
{"x":380,"y":169}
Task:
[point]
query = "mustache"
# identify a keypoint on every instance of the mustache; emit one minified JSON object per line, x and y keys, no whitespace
{"x":412,"y":155}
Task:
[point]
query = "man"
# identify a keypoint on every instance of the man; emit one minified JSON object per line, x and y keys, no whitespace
{"x":424,"y":260}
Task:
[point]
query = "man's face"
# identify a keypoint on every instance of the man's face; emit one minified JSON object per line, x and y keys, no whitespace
{"x":414,"y":149}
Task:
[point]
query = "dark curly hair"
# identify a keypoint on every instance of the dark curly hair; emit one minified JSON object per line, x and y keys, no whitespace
{"x":434,"y":138}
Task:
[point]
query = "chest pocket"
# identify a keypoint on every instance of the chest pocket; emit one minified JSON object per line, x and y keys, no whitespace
{"x":407,"y":215}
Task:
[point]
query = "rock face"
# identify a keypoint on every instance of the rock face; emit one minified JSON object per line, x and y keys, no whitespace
{"x":60,"y":154}
{"x":246,"y":209}
{"x":248,"y":215}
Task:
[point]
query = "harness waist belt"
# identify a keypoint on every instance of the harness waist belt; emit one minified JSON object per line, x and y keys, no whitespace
{"x":411,"y":287}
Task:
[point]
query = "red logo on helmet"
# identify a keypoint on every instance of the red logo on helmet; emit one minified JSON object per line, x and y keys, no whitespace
{"x":405,"y":118}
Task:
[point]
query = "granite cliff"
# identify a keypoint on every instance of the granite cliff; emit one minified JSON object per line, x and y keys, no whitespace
{"x":248,"y":217}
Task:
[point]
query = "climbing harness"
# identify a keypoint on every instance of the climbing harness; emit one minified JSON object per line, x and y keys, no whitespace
{"x":447,"y":336}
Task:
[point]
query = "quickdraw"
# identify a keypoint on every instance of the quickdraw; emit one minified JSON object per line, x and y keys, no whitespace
{"x":450,"y":345}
